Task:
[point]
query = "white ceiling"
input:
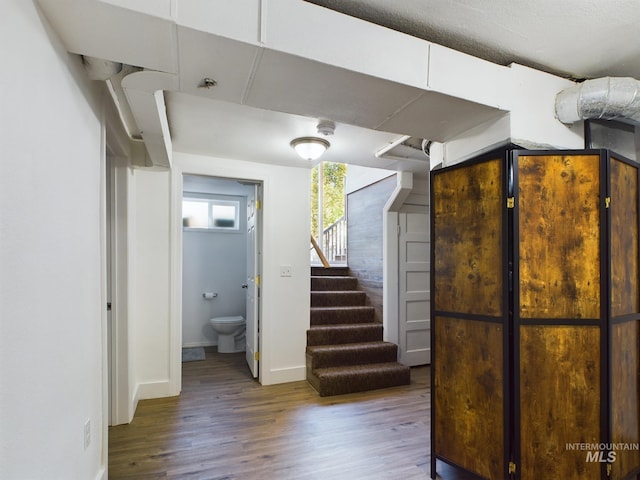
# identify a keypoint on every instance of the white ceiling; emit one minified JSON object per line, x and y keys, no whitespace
{"x":232,"y":131}
{"x":572,"y":38}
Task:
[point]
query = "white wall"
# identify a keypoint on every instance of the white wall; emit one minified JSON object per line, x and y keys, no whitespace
{"x":51,"y":229}
{"x":152,"y":302}
{"x":123,"y":388}
{"x":158,"y":270}
{"x":533,"y":116}
{"x":531,"y":122}
{"x":285,"y":241}
{"x":359,"y":177}
{"x":213,"y":261}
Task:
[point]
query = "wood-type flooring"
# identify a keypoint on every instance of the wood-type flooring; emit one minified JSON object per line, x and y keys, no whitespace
{"x":226,"y":426}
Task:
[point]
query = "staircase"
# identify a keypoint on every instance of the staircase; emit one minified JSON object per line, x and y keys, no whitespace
{"x":345,"y":351}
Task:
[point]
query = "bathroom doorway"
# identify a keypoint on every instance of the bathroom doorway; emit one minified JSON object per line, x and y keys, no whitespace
{"x":220,"y":260}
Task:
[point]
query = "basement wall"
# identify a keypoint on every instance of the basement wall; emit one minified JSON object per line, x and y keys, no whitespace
{"x":285,"y":240}
{"x":365,"y":238}
{"x":52,"y":297}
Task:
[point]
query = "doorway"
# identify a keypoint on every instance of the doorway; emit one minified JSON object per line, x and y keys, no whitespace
{"x":220,"y":259}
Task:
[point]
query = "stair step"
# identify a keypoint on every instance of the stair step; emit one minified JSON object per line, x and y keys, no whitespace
{"x":332,"y":271}
{"x":323,"y":356}
{"x":338,"y":298}
{"x":345,"y":351}
{"x":359,"y":378}
{"x":330,"y":282}
{"x":341,"y":315}
{"x":340,"y":334}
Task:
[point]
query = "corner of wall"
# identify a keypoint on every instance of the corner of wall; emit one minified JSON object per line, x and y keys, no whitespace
{"x":390,"y":278}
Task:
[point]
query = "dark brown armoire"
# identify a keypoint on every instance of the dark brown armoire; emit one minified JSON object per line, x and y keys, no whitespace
{"x":536,"y":316}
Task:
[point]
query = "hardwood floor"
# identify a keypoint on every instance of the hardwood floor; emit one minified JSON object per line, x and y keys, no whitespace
{"x":226,"y":426}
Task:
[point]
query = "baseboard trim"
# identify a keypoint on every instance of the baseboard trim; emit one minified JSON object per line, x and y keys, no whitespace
{"x":286,"y":375}
{"x":150,"y":390}
{"x":102,"y":474}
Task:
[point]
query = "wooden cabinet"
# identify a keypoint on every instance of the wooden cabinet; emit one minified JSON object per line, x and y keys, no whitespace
{"x":536,"y":311}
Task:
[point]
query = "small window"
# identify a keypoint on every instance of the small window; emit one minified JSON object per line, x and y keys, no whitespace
{"x":225,"y":214}
{"x":195,"y":213}
{"x":210,"y":214}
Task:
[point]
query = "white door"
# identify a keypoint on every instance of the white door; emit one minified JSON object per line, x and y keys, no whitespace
{"x":253,"y":280}
{"x":414,"y":323}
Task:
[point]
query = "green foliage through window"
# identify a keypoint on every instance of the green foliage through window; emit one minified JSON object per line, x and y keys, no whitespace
{"x":334,"y":175}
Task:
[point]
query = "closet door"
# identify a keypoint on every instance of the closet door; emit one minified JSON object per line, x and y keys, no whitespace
{"x":558,"y":314}
{"x":469,"y":314}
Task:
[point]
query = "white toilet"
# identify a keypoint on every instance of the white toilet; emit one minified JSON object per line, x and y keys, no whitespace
{"x":231,"y":333}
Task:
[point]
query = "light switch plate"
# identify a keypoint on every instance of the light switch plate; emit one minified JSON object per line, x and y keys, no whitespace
{"x":285,"y":270}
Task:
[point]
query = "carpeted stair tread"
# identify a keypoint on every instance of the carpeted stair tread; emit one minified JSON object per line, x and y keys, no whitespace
{"x":344,"y":333}
{"x":359,"y":378}
{"x":345,"y":351}
{"x":341,"y":315}
{"x":328,"y":282}
{"x":322,"y":356}
{"x":330,"y":271}
{"x":338,"y":298}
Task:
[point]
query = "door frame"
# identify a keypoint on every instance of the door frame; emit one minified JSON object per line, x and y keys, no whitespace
{"x":119,"y":407}
{"x":175,"y":331}
{"x":390,"y":254}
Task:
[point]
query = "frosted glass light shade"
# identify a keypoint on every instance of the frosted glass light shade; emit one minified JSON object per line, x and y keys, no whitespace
{"x":310,"y":148}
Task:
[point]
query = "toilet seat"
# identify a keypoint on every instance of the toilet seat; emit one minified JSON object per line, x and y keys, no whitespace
{"x":231,"y":319}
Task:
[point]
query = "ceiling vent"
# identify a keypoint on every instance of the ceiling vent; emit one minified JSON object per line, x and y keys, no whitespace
{"x":406,"y":148}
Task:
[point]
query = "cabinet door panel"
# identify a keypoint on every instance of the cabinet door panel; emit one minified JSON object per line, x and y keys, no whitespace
{"x":467,"y":210}
{"x":625,"y":396}
{"x":559,"y":400}
{"x":624,"y":239}
{"x":559,"y":236}
{"x":469,"y":393}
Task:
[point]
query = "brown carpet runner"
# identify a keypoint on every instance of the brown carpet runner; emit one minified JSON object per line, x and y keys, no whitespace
{"x":345,"y":350}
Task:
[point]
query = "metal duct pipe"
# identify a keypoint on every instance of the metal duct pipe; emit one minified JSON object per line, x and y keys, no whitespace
{"x":608,"y":98}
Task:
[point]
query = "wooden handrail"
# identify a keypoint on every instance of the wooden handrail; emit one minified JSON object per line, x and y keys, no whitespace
{"x":318,"y":250}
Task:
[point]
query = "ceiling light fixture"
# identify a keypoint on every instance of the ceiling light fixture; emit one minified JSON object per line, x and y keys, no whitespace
{"x":310,"y":148}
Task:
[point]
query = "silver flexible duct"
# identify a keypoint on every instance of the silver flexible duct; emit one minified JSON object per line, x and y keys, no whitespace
{"x":608,"y":98}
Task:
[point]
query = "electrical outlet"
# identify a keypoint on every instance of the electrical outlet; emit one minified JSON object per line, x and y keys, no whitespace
{"x":285,"y":270}
{"x":87,"y":434}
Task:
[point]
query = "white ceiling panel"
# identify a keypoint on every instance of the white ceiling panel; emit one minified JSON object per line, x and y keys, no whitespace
{"x":227,"y":61}
{"x":439,"y":117}
{"x":231,"y":131}
{"x":236,"y":19}
{"x":286,"y":83}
